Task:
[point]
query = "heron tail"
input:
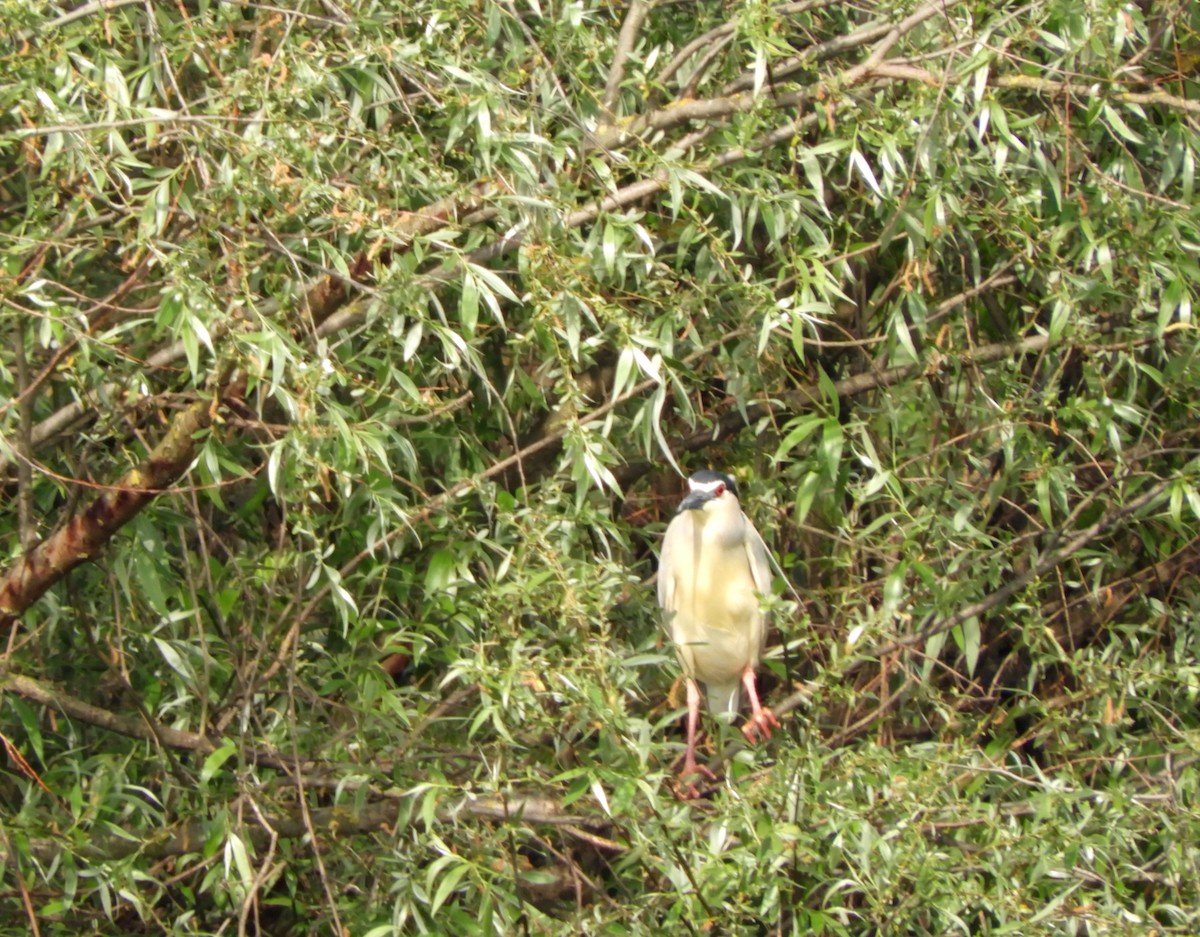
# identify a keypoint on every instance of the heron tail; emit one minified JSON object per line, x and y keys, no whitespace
{"x":723,"y":697}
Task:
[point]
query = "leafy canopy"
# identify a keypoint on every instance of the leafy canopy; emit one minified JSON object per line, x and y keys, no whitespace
{"x":352,"y":351}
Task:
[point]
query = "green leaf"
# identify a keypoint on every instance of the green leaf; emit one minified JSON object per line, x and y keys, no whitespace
{"x":806,"y":491}
{"x":212,"y":764}
{"x":971,"y":642}
{"x":468,"y":308}
{"x":447,"y":883}
{"x":238,"y":857}
{"x":175,"y":660}
{"x":829,"y":394}
{"x":830,"y":453}
{"x":1114,"y":120}
{"x":801,"y":429}
{"x":30,"y":723}
{"x":440,"y":572}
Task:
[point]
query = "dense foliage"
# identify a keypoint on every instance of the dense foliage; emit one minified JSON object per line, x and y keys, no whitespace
{"x":353,"y":351}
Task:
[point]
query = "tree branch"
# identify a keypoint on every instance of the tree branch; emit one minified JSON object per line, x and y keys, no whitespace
{"x":83,"y":537}
{"x":55,"y":698}
{"x":332,"y":821}
{"x":638,"y":9}
{"x":1061,"y":88}
{"x":615,"y":136}
{"x":144,"y":729}
{"x":1043,"y":566}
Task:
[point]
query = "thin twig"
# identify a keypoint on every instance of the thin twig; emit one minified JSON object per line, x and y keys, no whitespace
{"x":26,"y":525}
{"x":724,"y":33}
{"x":1045,"y":565}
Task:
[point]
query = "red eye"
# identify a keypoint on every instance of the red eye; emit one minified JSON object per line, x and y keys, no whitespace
{"x":720,"y":490}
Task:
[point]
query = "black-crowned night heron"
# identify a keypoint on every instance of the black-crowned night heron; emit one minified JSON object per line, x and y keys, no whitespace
{"x":712,"y":571}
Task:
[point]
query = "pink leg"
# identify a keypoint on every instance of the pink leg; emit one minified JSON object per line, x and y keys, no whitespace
{"x":761,"y":720}
{"x":687,"y":789}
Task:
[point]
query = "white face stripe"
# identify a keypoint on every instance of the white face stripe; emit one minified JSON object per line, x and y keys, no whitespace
{"x":711,"y":487}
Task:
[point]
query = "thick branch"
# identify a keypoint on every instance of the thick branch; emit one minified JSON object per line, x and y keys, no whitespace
{"x":74,"y":415}
{"x":674,"y":115}
{"x":83,"y":537}
{"x":739,"y":97}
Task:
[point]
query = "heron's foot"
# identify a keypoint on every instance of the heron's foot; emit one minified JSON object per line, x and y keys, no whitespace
{"x":686,"y":789}
{"x":762,"y":722}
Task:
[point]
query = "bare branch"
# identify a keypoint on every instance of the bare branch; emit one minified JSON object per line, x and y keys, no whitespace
{"x":905,"y":26}
{"x":884,"y":35}
{"x":1044,"y":565}
{"x":785,"y":68}
{"x":143,"y":728}
{"x":615,"y":136}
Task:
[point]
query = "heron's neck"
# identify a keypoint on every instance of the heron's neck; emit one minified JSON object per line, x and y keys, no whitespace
{"x":720,"y":524}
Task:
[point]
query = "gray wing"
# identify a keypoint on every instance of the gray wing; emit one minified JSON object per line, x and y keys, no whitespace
{"x":760,"y":569}
{"x":679,"y":531}
{"x":677,"y":541}
{"x":760,"y":560}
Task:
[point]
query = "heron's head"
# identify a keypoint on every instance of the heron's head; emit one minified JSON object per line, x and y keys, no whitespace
{"x":709,"y":490}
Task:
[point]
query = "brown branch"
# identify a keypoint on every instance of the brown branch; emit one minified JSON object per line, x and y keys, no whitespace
{"x":53,"y":697}
{"x":1062,"y":88}
{"x":739,"y":96}
{"x":625,"y":42}
{"x":142,"y":728}
{"x":82,"y":537}
{"x":374,"y":816}
{"x":885,"y":45}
